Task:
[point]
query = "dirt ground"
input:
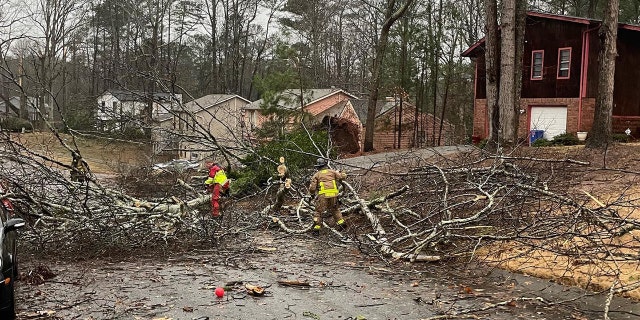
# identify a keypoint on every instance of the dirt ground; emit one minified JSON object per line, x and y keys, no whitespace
{"x":340,"y":283}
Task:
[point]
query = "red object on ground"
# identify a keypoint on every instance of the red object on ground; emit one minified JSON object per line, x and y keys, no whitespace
{"x":219,"y":292}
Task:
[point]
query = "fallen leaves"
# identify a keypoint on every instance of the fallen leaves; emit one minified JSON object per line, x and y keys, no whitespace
{"x":254,"y":290}
{"x":466,"y":289}
{"x":38,"y":276}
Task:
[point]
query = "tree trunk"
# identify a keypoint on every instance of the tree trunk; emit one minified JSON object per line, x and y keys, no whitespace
{"x":491,"y":58}
{"x":521,"y":17}
{"x":447,"y":86}
{"x":436,"y":72}
{"x":507,"y":73}
{"x":212,"y":7}
{"x":601,"y":131}
{"x":376,"y":69}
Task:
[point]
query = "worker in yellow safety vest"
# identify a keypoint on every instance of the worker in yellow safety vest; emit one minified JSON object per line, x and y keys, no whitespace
{"x":325,"y":183}
{"x":216,"y":183}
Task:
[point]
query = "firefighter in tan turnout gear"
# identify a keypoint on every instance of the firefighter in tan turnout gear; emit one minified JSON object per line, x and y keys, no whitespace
{"x":325,"y":183}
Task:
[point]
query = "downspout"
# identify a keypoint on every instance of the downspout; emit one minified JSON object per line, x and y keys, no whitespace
{"x":583,"y":74}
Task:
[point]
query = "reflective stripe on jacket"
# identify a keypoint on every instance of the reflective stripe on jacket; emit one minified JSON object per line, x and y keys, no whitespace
{"x":328,"y":188}
{"x":220,"y":178}
{"x":325,"y":182}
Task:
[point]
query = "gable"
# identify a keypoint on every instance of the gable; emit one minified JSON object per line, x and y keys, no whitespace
{"x":320,"y":105}
{"x":349,"y":113}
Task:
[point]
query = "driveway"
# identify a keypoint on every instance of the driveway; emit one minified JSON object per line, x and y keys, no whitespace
{"x":371,"y":161}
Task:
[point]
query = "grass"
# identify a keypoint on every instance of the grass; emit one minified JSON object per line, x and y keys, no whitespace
{"x":103,"y":155}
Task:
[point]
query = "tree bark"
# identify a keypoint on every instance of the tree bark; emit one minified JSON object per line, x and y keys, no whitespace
{"x":506,"y":103}
{"x":521,"y":20}
{"x":491,"y":58}
{"x":601,"y":130}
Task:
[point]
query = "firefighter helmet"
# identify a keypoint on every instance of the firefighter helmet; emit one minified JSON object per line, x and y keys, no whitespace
{"x":321,"y":162}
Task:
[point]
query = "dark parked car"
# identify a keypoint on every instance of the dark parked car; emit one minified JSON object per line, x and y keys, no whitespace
{"x":8,"y":255}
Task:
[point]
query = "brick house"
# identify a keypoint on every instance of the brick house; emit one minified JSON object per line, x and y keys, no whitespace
{"x":560,"y":75}
{"x":322,"y":106}
{"x":417,"y":129}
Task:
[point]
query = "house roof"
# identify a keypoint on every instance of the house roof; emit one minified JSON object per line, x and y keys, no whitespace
{"x":15,"y":105}
{"x":210,"y":101}
{"x":205,"y":102}
{"x":136,"y":95}
{"x":290,"y":97}
{"x":335,"y":109}
{"x":383,"y":107}
{"x":361,"y":106}
{"x":472,"y":51}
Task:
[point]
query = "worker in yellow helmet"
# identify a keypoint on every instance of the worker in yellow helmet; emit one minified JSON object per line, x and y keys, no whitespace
{"x":325,"y":183}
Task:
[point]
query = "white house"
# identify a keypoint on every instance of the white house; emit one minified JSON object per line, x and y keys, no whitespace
{"x":119,"y":108}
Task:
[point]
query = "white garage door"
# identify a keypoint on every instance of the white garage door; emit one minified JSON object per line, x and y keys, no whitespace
{"x":553,"y":120}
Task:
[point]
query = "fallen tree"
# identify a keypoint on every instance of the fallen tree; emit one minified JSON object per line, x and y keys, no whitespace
{"x":485,"y":207}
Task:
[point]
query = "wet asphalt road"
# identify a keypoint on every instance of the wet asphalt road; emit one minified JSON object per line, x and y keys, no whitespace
{"x":342,"y":284}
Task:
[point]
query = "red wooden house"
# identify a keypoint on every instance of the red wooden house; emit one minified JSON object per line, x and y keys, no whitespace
{"x":559,"y":80}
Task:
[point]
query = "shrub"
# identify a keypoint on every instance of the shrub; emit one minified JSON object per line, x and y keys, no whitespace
{"x":482,"y":143}
{"x":298,"y":148}
{"x":566,"y":139}
{"x":621,"y":137}
{"x":542,"y":143}
{"x":15,"y":124}
{"x":79,"y":119}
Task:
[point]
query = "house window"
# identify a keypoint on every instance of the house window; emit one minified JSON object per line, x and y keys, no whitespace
{"x":537,"y":58}
{"x":103,"y":105}
{"x":564,"y":62}
{"x":115,"y":107}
